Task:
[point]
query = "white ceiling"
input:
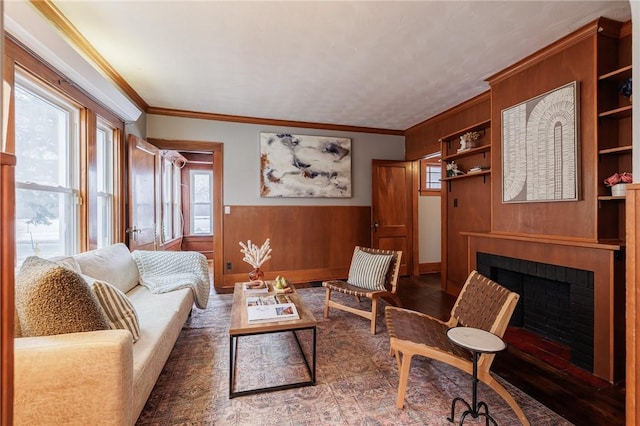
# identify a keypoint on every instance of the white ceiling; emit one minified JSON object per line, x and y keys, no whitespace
{"x":383,"y":64}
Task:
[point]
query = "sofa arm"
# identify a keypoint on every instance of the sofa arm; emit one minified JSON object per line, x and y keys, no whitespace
{"x":77,"y":378}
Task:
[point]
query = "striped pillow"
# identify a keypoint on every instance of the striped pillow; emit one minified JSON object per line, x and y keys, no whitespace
{"x":118,"y":308}
{"x":369,"y":270}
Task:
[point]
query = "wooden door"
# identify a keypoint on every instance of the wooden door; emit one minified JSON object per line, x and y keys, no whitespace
{"x":392,"y":209}
{"x":143,"y":195}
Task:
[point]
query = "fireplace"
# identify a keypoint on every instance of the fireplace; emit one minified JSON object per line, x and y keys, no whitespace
{"x":556,"y":302}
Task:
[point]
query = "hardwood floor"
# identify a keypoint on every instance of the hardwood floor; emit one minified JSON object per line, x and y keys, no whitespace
{"x":578,"y":401}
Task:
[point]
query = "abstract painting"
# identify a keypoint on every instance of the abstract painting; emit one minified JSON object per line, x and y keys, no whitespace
{"x":304,"y":166}
{"x":539,"y":148}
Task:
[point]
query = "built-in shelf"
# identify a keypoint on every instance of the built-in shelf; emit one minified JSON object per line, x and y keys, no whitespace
{"x":617,"y":113}
{"x":611,"y":198}
{"x":619,"y":74}
{"x":467,"y":152}
{"x":474,"y":128}
{"x":468,"y":175}
{"x":616,"y":150}
{"x":613,"y":241}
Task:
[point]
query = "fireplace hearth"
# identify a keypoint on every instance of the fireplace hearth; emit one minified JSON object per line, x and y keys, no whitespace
{"x":556,"y":302}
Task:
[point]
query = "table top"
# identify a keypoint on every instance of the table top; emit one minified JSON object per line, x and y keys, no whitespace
{"x":240,"y":324}
{"x":476,"y":339}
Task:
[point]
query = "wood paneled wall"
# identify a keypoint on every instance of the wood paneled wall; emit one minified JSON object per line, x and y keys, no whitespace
{"x":633,"y":304}
{"x":424,"y":138}
{"x":465,"y":205}
{"x":308,"y":242}
{"x":572,"y":59}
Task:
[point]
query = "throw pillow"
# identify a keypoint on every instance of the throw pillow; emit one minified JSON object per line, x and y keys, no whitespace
{"x":119,"y":310}
{"x":369,"y":270}
{"x":51,"y":299}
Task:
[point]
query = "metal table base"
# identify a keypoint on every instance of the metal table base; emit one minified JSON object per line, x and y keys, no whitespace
{"x":311,"y":369}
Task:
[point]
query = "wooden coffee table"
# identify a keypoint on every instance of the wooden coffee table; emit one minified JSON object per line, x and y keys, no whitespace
{"x":240,"y":326}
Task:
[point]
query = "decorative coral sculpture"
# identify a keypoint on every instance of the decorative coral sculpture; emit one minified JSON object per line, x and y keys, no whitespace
{"x":255,"y":256}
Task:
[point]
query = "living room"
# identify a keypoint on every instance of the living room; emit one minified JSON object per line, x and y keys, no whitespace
{"x":301,"y":225}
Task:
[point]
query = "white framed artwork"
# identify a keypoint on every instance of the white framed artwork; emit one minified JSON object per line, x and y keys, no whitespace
{"x":540,"y":148}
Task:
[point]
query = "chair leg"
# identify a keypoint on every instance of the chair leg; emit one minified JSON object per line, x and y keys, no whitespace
{"x":500,"y":390}
{"x":405,"y":366}
{"x":374,"y":314}
{"x":326,"y":302}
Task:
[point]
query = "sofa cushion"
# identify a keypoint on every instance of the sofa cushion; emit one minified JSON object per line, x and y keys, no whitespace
{"x":369,"y":270}
{"x":118,"y":308}
{"x":51,"y":299}
{"x":112,"y":264}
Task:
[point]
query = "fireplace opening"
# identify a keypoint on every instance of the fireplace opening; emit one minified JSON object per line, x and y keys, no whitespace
{"x":556,"y":302}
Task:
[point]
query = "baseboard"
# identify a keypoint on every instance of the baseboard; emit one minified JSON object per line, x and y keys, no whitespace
{"x":429,"y":268}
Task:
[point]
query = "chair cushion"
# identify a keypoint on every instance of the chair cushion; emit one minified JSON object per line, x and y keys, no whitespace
{"x":118,"y":308}
{"x":369,"y":270}
{"x":51,"y":299}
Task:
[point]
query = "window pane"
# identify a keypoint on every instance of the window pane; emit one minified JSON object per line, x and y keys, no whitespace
{"x":104,"y":221}
{"x":201,"y":219}
{"x":47,"y":170}
{"x":42,"y":138}
{"x":104,"y":183}
{"x":177,"y":205}
{"x":43,"y":220}
{"x":201,"y":187}
{"x":105,"y":160}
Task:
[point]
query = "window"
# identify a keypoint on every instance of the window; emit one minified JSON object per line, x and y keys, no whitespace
{"x":201,"y":212}
{"x":172,"y":162}
{"x":47,"y":181}
{"x":430,"y":175}
{"x":177,"y":200}
{"x":105,"y":183}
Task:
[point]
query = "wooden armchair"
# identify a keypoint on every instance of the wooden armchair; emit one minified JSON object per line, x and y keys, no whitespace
{"x":364,"y":285}
{"x":483,"y":304}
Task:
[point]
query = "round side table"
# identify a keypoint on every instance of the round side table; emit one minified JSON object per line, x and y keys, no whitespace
{"x":478,"y":342}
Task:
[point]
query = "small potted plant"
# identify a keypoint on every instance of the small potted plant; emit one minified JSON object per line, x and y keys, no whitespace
{"x":618,"y":183}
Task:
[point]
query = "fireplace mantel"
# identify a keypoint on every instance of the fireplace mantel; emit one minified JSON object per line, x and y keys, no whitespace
{"x":604,"y":260}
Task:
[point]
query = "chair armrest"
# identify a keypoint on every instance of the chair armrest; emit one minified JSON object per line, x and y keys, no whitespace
{"x":79,"y":378}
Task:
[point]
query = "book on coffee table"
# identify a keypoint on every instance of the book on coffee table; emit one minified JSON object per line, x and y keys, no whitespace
{"x":271,"y":308}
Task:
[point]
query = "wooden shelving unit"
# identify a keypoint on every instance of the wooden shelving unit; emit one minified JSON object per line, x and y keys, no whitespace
{"x":465,"y":196}
{"x":614,"y":132}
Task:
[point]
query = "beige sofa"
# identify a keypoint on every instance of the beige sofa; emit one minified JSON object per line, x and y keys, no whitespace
{"x":101,"y":377}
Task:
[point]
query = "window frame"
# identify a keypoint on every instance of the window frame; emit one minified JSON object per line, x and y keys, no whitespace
{"x":70,"y":185}
{"x":200,"y":171}
{"x":108,"y":193}
{"x":19,"y":59}
{"x":434,"y":162}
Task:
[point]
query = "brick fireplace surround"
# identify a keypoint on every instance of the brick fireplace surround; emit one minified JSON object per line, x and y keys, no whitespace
{"x":599,"y":264}
{"x":556,"y":302}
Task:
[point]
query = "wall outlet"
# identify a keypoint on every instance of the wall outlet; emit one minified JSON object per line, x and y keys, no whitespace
{"x":229,"y":266}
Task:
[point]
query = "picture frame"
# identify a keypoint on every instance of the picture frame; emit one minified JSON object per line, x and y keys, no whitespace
{"x":540,"y":161}
{"x":304,"y":166}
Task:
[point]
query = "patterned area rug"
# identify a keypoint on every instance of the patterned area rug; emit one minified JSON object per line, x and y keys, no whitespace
{"x":356,"y":378}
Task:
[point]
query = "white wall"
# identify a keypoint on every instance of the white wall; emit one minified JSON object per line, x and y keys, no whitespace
{"x":242,"y":156}
{"x":429,"y":229}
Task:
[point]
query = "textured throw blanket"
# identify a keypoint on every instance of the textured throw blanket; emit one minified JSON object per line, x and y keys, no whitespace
{"x":164,"y":271}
